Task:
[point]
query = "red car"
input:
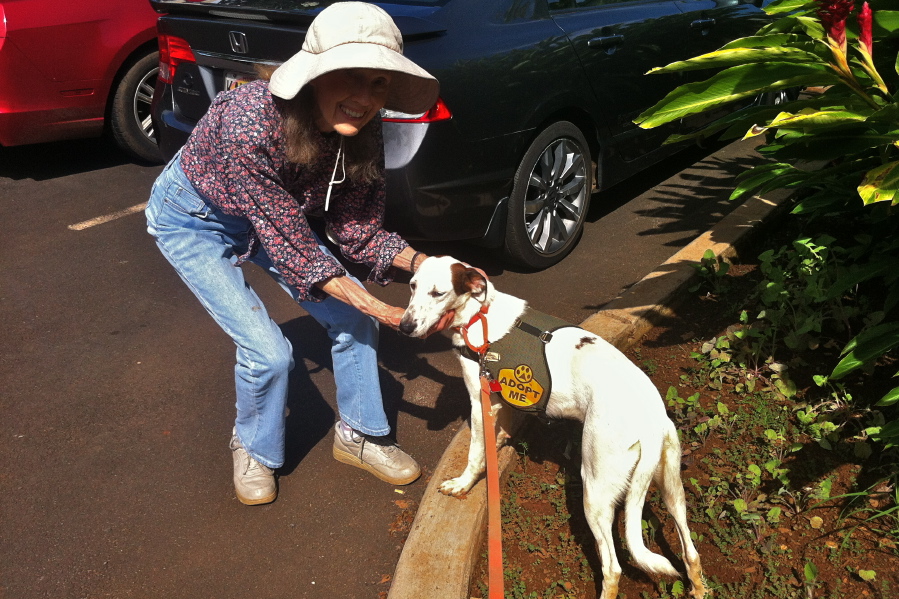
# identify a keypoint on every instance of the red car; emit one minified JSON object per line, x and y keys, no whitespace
{"x":78,"y":69}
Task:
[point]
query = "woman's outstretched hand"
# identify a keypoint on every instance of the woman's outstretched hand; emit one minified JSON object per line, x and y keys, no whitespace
{"x":347,"y":291}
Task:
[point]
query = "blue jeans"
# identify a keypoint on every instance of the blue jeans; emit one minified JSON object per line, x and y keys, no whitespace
{"x":203,"y":244}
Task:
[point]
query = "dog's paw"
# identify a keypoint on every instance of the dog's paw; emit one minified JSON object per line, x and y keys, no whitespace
{"x":456,"y":486}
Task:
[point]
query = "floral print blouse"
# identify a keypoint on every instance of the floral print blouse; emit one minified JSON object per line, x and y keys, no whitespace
{"x":235,"y":159}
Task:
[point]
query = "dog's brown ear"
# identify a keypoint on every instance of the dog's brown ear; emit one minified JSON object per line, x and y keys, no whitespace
{"x":468,"y":280}
{"x":476,"y":282}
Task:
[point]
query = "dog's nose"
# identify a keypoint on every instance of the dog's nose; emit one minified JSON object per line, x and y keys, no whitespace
{"x":407,"y":327}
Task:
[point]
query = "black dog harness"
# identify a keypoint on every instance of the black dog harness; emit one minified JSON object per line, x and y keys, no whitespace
{"x":516,"y":364}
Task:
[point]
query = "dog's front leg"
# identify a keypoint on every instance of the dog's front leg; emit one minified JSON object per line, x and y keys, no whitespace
{"x":476,"y":457}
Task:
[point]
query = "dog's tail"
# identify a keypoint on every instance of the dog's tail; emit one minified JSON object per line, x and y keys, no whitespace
{"x":647,"y":468}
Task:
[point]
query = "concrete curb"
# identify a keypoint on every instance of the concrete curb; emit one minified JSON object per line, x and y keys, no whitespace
{"x":441,"y":549}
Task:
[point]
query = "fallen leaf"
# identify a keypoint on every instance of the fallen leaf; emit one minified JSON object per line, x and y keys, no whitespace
{"x":867,"y":575}
{"x":832,"y":544}
{"x":385,"y":578}
{"x":403,"y":504}
{"x":816,"y":522}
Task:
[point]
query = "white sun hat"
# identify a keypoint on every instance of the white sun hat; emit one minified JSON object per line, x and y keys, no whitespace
{"x":354,"y":35}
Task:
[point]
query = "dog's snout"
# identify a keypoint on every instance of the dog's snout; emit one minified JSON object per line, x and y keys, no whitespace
{"x":407,"y":326}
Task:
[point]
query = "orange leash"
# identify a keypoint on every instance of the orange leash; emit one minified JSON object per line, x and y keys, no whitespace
{"x":494,"y":524}
{"x":494,"y":521}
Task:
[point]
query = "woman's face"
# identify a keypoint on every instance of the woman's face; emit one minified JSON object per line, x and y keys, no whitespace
{"x":349,"y":98}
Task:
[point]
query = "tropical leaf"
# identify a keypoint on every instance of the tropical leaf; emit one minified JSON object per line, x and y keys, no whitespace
{"x":824,"y":200}
{"x":864,"y":273}
{"x":890,"y":398}
{"x":867,"y":346}
{"x":888,"y":114}
{"x":880,"y":184}
{"x":782,"y":6}
{"x":886,"y":22}
{"x":808,"y":121}
{"x":756,"y":177}
{"x":811,"y":26}
{"x":735,"y":83}
{"x":825,"y":145}
{"x":766,"y":41}
{"x":736,"y":123}
{"x":886,"y":434}
{"x":737,"y":56}
{"x":814,"y":118}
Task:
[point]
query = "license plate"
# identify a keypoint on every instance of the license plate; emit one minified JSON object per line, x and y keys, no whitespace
{"x":235,"y":80}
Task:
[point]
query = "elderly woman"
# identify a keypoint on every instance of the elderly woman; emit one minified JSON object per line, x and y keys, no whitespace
{"x":302,"y":141}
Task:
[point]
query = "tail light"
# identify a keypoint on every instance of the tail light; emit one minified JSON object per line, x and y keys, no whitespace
{"x":172,"y":52}
{"x":438,"y":112}
{"x":2,"y":25}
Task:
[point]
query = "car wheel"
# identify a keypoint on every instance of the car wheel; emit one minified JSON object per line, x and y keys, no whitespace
{"x":776,"y":98}
{"x":130,"y":121}
{"x":550,"y":197}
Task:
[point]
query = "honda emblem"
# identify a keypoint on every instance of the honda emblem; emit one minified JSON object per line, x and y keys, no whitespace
{"x":238,"y":42}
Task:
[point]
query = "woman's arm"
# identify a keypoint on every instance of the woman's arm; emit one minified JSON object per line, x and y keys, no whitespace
{"x":347,"y":291}
{"x":409,"y":259}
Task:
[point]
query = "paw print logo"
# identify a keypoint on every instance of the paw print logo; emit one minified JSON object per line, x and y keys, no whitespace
{"x":524,"y":374}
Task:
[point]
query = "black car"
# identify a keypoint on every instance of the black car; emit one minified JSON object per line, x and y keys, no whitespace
{"x":536,"y":104}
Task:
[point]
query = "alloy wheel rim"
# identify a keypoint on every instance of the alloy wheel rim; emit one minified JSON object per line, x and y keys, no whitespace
{"x":556,"y":195}
{"x":780,"y":97}
{"x":143,"y":96}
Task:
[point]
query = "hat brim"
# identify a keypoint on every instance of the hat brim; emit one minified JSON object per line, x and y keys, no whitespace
{"x":412,"y":89}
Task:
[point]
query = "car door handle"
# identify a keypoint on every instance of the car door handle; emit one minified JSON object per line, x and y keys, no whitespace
{"x":606,"y":41}
{"x":702,"y":23}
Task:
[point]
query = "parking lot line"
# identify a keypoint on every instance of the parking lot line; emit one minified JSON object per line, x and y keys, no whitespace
{"x":107,"y":217}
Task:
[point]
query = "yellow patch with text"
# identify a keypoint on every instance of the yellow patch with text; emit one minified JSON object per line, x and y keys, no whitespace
{"x":519,"y":387}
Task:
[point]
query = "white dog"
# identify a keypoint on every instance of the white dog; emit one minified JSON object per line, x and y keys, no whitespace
{"x":628,"y":439}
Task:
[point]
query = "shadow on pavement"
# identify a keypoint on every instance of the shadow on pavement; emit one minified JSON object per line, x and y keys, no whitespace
{"x":41,"y":162}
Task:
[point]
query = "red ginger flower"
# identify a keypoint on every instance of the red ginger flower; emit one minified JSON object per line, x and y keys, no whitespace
{"x":865,"y":37}
{"x":833,"y":15}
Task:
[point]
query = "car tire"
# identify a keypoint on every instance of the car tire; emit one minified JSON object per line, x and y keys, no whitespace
{"x":130,"y":122}
{"x":550,"y":197}
{"x":776,"y":98}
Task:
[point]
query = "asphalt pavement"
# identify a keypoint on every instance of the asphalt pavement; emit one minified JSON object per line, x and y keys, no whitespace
{"x":118,"y":390}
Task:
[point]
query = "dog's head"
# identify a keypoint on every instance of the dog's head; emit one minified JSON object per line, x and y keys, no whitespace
{"x":442,"y":284}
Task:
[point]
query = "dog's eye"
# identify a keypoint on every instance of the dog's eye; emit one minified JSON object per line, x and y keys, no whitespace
{"x":436,"y":293}
{"x":412,"y":287}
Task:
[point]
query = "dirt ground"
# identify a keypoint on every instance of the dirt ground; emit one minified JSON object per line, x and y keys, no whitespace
{"x":766,"y":500}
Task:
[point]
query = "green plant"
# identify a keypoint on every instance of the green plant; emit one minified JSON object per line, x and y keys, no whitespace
{"x":807,"y":46}
{"x":684,"y":408}
{"x":711,"y":272}
{"x":837,"y":147}
{"x":810,"y":579}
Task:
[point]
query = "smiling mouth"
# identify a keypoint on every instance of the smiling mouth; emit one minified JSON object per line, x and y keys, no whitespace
{"x":352,"y":113}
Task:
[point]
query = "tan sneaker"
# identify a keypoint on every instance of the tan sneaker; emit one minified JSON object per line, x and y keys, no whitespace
{"x":254,"y":483}
{"x":378,"y":455}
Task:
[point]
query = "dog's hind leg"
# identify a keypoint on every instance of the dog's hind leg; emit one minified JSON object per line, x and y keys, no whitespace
{"x":600,"y":513}
{"x":648,"y":458}
{"x":668,"y":479}
{"x":605,"y":474}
